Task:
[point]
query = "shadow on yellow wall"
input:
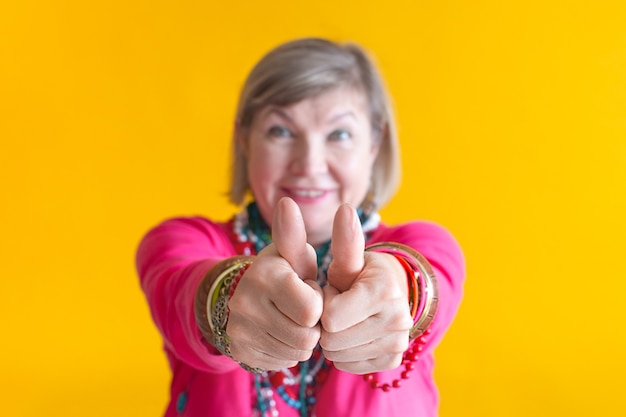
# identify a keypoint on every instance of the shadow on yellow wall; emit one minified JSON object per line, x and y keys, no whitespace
{"x":512,"y":118}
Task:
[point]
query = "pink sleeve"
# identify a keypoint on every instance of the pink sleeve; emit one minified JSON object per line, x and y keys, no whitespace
{"x":172,"y":259}
{"x":444,"y":254}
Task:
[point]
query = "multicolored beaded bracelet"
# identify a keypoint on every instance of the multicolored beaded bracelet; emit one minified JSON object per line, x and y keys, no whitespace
{"x":423,"y":302}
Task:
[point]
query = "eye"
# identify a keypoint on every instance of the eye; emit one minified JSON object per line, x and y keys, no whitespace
{"x":340,"y":135}
{"x":279,"y":132}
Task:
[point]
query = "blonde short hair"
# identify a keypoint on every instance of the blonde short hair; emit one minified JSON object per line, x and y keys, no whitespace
{"x":302,"y":69}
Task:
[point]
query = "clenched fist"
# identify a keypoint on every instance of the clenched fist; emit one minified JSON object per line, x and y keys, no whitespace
{"x":275,"y":312}
{"x":366,"y":318}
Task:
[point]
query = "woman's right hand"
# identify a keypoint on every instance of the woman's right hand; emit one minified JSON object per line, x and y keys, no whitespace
{"x":276,"y":309}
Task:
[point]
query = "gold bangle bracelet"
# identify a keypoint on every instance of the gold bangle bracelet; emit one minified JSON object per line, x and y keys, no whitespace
{"x":201,"y":312}
{"x":428,"y":289}
{"x":211,"y":304}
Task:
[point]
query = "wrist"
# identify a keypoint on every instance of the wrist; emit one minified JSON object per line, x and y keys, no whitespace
{"x":208,"y":293}
{"x":423,"y":296}
{"x":423,"y":301}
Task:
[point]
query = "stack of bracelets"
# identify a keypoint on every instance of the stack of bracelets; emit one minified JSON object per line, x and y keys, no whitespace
{"x":423,"y":301}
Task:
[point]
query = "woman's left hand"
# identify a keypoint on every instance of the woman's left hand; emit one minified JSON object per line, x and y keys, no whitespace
{"x":366,"y":318}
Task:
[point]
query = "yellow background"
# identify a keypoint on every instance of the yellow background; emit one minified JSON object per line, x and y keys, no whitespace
{"x":512,"y":117}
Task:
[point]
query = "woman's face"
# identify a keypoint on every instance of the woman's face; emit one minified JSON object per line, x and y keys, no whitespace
{"x":319,"y":152}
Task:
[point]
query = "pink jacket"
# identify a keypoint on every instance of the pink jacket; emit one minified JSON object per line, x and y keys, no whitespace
{"x":173,"y":258}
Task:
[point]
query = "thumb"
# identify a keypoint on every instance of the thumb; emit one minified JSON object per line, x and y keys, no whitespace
{"x":347,"y":246}
{"x":289,"y":238}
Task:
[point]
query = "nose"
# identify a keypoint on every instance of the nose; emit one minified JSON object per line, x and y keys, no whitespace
{"x":309,"y":158}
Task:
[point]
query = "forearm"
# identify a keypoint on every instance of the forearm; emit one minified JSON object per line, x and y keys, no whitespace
{"x":172,"y":260}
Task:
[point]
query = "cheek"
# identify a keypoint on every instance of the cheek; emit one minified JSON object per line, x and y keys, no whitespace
{"x":264,"y":169}
{"x":257,"y":155}
{"x":354,"y":172}
{"x":259,"y":172}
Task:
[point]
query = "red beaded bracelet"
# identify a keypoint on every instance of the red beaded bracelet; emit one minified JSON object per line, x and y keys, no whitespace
{"x":408,"y":358}
{"x":423,"y":301}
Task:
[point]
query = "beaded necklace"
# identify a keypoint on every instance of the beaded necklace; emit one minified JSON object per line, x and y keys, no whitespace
{"x":297,"y":386}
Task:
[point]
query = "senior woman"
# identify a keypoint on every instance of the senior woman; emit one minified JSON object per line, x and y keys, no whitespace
{"x":305,"y":303}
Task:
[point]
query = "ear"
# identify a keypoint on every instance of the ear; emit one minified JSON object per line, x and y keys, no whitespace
{"x":241,"y":138}
{"x":378,"y":137}
{"x":374,"y":150}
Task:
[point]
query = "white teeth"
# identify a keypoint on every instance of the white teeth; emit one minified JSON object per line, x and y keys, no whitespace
{"x":308,"y":193}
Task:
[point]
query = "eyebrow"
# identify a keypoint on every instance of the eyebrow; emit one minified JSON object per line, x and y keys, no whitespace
{"x":279,"y":112}
{"x":349,"y":113}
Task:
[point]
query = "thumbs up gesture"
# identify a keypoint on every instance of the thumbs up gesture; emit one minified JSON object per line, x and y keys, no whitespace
{"x":366,"y":318}
{"x":275,"y":312}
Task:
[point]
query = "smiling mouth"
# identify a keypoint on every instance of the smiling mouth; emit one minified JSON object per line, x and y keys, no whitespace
{"x":307,"y":193}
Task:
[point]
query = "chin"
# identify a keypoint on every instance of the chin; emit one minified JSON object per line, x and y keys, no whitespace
{"x":318,"y":229}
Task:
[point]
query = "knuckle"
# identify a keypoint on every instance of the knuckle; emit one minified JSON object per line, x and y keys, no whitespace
{"x":330,"y":347}
{"x":276,"y":366}
{"x":309,"y":339}
{"x":301,"y":339}
{"x":331,"y":356}
{"x":289,"y":364}
{"x":402,"y":320}
{"x":326,"y":341}
{"x":396,"y":360}
{"x":345,"y":366}
{"x":331,"y":341}
{"x":303,"y":355}
{"x":330,"y":323}
{"x":398,"y":316}
{"x":310,"y":316}
{"x":399,"y":345}
{"x":387,"y":362}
